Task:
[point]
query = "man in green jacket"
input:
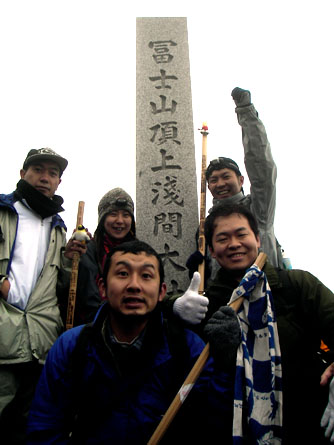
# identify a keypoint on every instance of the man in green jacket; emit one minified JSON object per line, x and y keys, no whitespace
{"x":32,"y":250}
{"x":304,"y":313}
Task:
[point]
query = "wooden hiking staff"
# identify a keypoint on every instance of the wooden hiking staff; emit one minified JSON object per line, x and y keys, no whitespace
{"x":201,"y":237}
{"x":193,"y":376}
{"x":74,"y":274}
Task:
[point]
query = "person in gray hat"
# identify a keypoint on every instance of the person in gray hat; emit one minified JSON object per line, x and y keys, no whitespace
{"x":116,"y":224}
{"x":225,"y":181}
{"x":32,"y":249}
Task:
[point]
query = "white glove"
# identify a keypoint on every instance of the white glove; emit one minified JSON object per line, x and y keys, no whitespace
{"x":327,"y":420}
{"x":192,"y":307}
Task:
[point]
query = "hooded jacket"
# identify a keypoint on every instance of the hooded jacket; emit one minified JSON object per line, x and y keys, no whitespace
{"x":120,"y":397}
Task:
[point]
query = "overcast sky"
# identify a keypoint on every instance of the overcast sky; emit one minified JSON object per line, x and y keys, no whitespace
{"x":67,"y":81}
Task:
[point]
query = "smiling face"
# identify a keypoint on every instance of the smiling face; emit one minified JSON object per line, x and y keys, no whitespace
{"x":234,"y":244}
{"x":224,"y":183}
{"x":133,"y":285}
{"x":43,"y":176}
{"x":118,"y":223}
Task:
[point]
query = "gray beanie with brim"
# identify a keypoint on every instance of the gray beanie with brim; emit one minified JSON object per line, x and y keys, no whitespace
{"x":115,"y":199}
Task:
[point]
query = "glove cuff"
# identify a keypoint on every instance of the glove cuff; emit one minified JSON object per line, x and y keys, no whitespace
{"x":177,"y":307}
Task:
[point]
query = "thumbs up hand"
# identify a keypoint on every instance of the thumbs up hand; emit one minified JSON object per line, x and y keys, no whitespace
{"x":192,"y":306}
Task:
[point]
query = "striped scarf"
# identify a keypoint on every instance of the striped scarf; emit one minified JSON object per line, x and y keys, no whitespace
{"x":258,"y":385}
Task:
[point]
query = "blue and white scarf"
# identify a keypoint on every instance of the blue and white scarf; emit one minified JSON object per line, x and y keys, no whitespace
{"x":258,"y":383}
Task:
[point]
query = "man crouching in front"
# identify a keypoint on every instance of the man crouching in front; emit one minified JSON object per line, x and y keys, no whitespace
{"x":112,"y":381}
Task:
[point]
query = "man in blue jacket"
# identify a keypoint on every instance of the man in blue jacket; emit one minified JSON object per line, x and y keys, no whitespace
{"x":112,"y":381}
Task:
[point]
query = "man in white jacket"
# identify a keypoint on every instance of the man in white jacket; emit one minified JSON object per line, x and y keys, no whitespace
{"x":32,"y":250}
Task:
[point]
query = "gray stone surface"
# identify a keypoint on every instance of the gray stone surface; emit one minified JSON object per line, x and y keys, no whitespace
{"x":166,"y":187}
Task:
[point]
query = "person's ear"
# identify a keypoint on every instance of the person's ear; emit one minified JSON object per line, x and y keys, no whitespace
{"x":102,"y":287}
{"x":212,"y":252}
{"x":241,"y":180}
{"x":162,"y":292}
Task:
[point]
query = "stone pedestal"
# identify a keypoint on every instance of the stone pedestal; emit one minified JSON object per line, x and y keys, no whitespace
{"x":166,"y":187}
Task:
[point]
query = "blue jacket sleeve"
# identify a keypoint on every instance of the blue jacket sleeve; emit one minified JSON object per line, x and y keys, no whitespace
{"x":51,"y":412}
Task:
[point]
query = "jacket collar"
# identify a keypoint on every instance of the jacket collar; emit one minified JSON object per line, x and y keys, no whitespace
{"x":225,"y":279}
{"x":9,"y":200}
{"x":230,"y":200}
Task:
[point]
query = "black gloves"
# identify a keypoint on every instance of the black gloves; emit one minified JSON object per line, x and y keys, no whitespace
{"x":193,"y":262}
{"x":224,"y":335}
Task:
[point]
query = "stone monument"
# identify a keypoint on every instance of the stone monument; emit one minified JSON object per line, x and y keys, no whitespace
{"x":166,"y":184}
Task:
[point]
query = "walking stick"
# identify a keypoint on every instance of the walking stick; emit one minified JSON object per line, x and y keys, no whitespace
{"x":192,"y":376}
{"x":74,"y":274}
{"x":201,"y":237}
